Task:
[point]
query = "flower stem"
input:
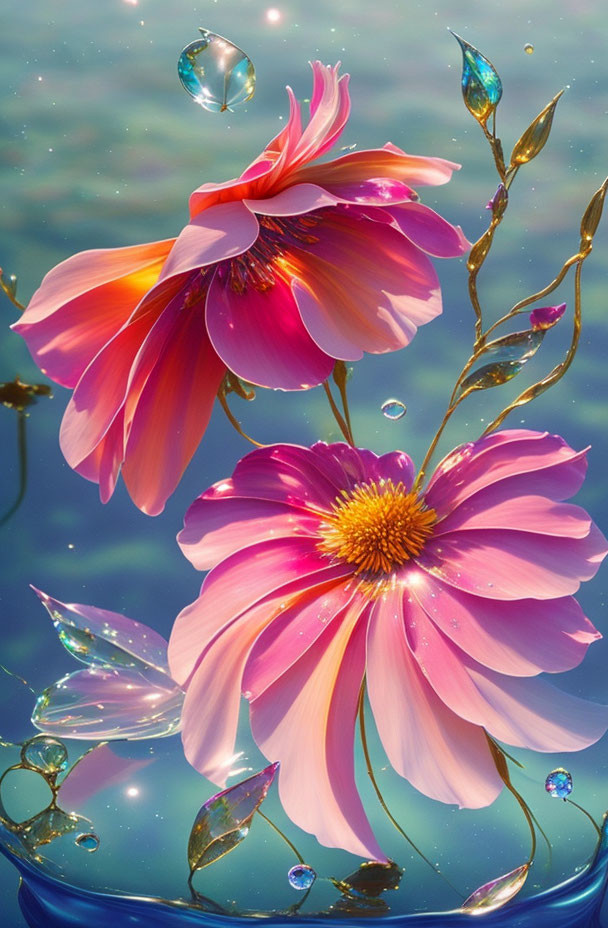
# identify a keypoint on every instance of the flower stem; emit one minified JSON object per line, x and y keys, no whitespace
{"x":234,"y":422}
{"x":584,"y":811}
{"x":338,"y":416}
{"x":374,"y":782}
{"x":22,"y":450}
{"x":282,"y":835}
{"x":451,"y":408}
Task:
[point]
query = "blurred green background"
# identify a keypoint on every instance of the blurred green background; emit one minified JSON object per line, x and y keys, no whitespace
{"x":100,"y":147}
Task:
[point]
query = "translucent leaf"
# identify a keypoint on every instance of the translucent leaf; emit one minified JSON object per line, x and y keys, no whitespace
{"x":502,"y":359}
{"x":481,"y":85}
{"x":534,"y":138}
{"x":102,"y":704}
{"x":99,"y":637}
{"x":9,"y":284}
{"x":224,"y":820}
{"x":496,"y":893}
{"x":51,"y":824}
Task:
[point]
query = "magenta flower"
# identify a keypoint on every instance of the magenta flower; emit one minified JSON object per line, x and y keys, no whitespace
{"x":277,"y":274}
{"x":327,"y":568}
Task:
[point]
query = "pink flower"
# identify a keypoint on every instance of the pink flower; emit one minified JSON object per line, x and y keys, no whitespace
{"x":327,"y":568}
{"x":277,"y":274}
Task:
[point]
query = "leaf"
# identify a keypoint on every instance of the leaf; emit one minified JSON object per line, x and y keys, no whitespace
{"x":496,"y":893}
{"x":102,"y":703}
{"x":478,"y":252}
{"x":108,"y":639}
{"x":502,"y":359}
{"x":593,"y":214}
{"x":534,"y":138}
{"x":50,"y":824}
{"x":224,"y":820}
{"x":370,"y":880}
{"x":481,"y":85}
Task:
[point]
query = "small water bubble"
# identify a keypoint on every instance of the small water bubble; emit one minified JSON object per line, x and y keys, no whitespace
{"x":46,"y":754}
{"x":393,"y":409}
{"x":529,"y":48}
{"x":301,"y":877}
{"x":88,"y":842}
{"x":216,"y":73}
{"x":559,"y":783}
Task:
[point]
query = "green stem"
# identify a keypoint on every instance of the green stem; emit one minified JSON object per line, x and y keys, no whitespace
{"x":22,"y":450}
{"x":283,"y":836}
{"x":337,"y":415}
{"x":374,"y":782}
{"x":584,"y":811}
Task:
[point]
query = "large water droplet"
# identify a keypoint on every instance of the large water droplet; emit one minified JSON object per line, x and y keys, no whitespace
{"x":559,"y":783}
{"x":216,"y":73}
{"x":46,"y":754}
{"x":393,"y":409}
{"x":88,"y":841}
{"x":301,"y":877}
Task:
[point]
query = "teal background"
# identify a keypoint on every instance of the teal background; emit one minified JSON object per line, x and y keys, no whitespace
{"x":100,"y":147}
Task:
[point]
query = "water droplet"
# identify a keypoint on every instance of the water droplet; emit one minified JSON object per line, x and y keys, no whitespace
{"x":216,"y":73}
{"x":528,"y":48}
{"x":301,"y":877}
{"x":89,"y":842}
{"x":393,"y":409}
{"x":46,"y":754}
{"x":559,"y":783}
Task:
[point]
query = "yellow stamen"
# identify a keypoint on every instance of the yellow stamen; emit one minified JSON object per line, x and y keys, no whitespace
{"x":377,"y":527}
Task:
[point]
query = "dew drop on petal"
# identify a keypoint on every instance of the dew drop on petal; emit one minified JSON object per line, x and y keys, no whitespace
{"x":559,"y":783}
{"x":88,"y":842}
{"x":216,"y":73}
{"x":46,"y":754}
{"x":393,"y":409}
{"x":301,"y":877}
{"x":528,"y":48}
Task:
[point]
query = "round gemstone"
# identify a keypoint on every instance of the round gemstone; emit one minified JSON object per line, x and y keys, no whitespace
{"x":44,"y":753}
{"x":559,"y":783}
{"x":301,"y":877}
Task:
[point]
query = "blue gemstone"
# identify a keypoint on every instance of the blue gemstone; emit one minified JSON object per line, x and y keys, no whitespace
{"x":559,"y":783}
{"x":301,"y":877}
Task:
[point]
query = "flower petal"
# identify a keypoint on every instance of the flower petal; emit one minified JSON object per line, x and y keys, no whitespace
{"x":211,"y":708}
{"x":101,"y":392}
{"x":216,"y":234}
{"x":388,"y":162}
{"x":496,"y":507}
{"x":83,"y":302}
{"x":397,"y":288}
{"x":239,"y":583}
{"x":522,"y":711}
{"x":513,"y":565}
{"x":260,"y":336}
{"x":429,"y":231}
{"x":522,"y":637}
{"x":441,"y":755}
{"x":292,"y":633}
{"x":214,"y":528}
{"x":293,"y":201}
{"x":536,"y":463}
{"x":247,"y":185}
{"x":172,"y":412}
{"x":305,"y":720}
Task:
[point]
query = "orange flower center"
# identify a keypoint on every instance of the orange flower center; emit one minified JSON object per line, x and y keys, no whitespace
{"x":377,"y":527}
{"x":256,"y":267}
